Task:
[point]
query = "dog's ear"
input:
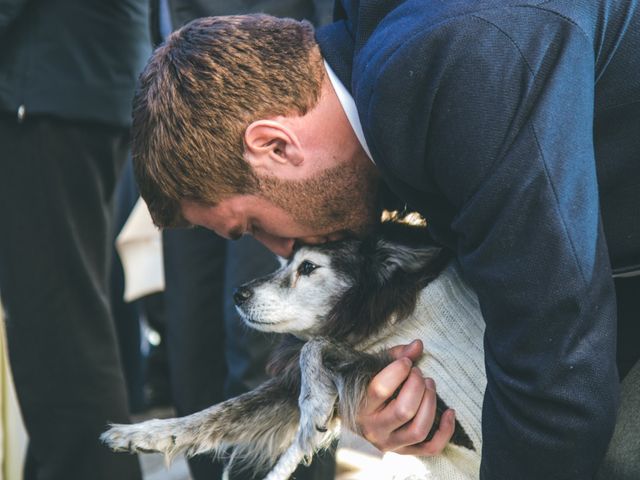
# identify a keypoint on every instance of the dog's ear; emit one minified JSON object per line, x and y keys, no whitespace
{"x":386,"y":286}
{"x":391,"y":258}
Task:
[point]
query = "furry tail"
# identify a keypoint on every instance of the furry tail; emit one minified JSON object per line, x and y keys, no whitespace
{"x":256,"y":427}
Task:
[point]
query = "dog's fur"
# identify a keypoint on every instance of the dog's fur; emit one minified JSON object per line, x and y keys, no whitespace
{"x":331,"y":300}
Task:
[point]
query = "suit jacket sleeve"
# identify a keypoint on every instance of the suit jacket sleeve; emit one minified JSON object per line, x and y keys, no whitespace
{"x":507,"y":103}
{"x":9,"y":11}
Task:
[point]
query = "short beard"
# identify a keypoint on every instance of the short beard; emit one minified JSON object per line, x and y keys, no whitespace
{"x":340,"y":198}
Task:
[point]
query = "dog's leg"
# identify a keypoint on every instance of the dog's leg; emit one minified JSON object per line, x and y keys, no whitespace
{"x":287,"y":463}
{"x":258,"y":425}
{"x":318,"y":422}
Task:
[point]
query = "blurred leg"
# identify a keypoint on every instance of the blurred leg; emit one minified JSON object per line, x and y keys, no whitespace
{"x":194,"y":271}
{"x":622,"y":459}
{"x":126,"y":314}
{"x":56,"y":185}
{"x":628,"y":298}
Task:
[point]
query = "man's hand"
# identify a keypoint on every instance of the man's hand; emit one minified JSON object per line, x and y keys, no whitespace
{"x":402,"y":423}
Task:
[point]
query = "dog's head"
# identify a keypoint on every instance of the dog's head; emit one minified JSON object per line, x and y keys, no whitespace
{"x":345,"y":290}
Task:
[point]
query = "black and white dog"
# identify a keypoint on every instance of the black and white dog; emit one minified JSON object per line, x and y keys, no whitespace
{"x":342,"y":305}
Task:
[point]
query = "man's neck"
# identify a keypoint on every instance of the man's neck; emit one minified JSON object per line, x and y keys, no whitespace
{"x":349,"y":107}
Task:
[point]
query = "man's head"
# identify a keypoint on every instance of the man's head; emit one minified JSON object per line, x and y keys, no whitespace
{"x":236,"y":127}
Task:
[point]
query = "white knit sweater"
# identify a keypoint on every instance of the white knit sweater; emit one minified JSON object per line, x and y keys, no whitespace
{"x":447,"y":319}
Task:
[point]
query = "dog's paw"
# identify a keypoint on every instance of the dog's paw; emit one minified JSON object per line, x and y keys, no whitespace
{"x":146,"y":437}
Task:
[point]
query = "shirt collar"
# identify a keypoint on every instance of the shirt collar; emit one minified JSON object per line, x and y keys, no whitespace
{"x":349,"y":107}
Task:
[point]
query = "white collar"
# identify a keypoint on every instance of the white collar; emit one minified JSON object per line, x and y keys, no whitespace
{"x":349,"y":107}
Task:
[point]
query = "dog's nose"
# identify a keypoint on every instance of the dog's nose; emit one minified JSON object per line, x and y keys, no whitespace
{"x":241,"y":295}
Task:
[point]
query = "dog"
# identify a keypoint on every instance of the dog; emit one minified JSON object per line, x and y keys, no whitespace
{"x":341,"y":305}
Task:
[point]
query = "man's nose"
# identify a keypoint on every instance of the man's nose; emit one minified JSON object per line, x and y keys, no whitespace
{"x":241,"y":295}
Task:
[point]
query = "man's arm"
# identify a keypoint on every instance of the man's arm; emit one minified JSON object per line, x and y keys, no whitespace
{"x":507,"y":102}
{"x":531,"y":243}
{"x":9,"y":11}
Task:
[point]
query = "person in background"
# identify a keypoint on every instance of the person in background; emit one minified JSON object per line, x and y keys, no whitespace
{"x":212,"y":356}
{"x":68,"y":71}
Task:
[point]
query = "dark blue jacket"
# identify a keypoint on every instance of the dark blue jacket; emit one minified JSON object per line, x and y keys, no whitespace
{"x":514,"y":127}
{"x":73,"y":59}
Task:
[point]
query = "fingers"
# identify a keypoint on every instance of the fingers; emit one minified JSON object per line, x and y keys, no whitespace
{"x":440,"y":439}
{"x":401,"y":424}
{"x":415,"y":428}
{"x":412,"y":350}
{"x":403,"y":408}
{"x":384,"y":384}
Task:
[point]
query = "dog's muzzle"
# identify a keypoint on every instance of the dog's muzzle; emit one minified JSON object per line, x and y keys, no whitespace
{"x":241,"y":295}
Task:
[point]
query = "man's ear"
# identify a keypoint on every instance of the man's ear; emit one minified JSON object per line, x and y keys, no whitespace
{"x":271,"y":146}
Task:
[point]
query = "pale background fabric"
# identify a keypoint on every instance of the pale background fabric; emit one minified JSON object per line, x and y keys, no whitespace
{"x":139,"y":245}
{"x":13,"y":437}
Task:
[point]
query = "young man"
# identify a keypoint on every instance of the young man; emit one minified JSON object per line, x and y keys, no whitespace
{"x":513,"y":129}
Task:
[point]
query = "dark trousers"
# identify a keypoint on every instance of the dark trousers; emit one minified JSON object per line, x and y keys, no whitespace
{"x":194,"y":335}
{"x":212,"y":355}
{"x":126,"y":315}
{"x":628,"y":301}
{"x":56,"y":184}
{"x":622,"y":461}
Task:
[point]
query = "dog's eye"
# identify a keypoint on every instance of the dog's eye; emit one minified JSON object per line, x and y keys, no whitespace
{"x":306,"y":267}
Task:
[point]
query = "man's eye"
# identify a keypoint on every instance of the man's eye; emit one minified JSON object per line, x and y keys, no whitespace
{"x":306,"y":267}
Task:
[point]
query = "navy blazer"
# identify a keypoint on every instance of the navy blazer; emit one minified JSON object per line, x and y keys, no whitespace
{"x":514,"y":127}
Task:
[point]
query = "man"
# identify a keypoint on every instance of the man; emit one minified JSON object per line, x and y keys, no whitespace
{"x":513,"y":129}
